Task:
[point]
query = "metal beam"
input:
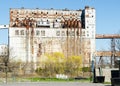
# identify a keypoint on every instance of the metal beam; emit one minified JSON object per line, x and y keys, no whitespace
{"x":106,"y":53}
{"x":107,"y":36}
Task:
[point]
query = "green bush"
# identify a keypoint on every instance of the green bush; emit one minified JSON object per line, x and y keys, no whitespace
{"x":56,"y":63}
{"x":86,"y":69}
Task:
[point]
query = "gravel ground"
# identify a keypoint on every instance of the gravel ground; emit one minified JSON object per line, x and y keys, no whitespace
{"x":52,"y":84}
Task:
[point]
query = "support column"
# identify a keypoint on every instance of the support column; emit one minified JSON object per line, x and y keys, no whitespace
{"x":112,"y":52}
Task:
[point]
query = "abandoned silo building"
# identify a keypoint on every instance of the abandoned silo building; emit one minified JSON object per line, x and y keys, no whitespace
{"x":34,"y":32}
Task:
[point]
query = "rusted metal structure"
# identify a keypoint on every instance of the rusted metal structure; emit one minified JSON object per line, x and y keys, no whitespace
{"x":107,"y":36}
{"x":113,"y":53}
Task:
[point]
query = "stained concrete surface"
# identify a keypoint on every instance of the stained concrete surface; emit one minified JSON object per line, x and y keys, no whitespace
{"x":52,"y":84}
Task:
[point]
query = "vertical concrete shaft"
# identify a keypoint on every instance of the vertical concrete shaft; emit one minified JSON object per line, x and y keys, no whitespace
{"x":27,"y":45}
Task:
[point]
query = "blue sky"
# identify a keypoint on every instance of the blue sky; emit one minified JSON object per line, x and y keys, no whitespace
{"x":107,"y":14}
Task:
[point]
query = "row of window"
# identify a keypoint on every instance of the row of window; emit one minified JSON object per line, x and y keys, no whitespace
{"x":3,"y":47}
{"x":3,"y":53}
{"x":38,"y":32}
{"x":3,"y":50}
{"x":35,"y":13}
{"x":58,"y":33}
{"x":23,"y":32}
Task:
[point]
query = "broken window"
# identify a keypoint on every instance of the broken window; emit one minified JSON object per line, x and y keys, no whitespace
{"x":56,"y":20}
{"x":42,"y":33}
{"x":22,"y":32}
{"x":58,"y":33}
{"x":37,"y":32}
{"x":87,"y":35}
{"x":16,"y":32}
{"x":63,"y":33}
{"x":56,"y":13}
{"x":83,"y":33}
{"x":47,"y":22}
{"x":40,"y":45}
{"x":72,"y":33}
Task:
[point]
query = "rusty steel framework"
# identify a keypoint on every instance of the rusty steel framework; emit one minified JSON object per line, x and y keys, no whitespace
{"x":113,"y":53}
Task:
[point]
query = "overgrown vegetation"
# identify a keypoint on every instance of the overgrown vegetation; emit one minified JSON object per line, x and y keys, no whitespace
{"x":56,"y":63}
{"x":86,"y":69}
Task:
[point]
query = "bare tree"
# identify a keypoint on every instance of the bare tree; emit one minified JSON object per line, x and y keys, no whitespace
{"x":4,"y":59}
{"x":7,"y":63}
{"x":117,"y":48}
{"x":117,"y":43}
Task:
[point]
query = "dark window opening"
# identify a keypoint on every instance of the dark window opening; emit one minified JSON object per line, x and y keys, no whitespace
{"x":22,"y":32}
{"x":47,"y":22}
{"x":37,"y":33}
{"x":42,"y":33}
{"x":11,"y":11}
{"x":16,"y":32}
{"x":58,"y":33}
{"x":56,"y":13}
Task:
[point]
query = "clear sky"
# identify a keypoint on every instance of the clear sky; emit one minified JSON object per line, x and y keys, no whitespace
{"x":107,"y":13}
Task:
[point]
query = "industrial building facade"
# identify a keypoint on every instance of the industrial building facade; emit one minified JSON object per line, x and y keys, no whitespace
{"x":35,"y":32}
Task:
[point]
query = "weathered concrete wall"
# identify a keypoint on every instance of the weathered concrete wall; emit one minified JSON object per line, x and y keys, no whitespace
{"x":106,"y":73}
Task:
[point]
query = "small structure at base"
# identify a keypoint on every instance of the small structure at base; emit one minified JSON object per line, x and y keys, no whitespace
{"x":115,"y":76}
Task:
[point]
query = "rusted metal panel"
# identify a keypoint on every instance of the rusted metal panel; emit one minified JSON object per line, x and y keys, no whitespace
{"x":18,"y":15}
